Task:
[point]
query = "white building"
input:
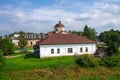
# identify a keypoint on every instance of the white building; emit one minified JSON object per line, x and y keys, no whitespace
{"x":32,"y":38}
{"x":62,"y":43}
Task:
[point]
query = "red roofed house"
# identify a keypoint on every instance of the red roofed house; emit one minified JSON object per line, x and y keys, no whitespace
{"x":62,"y":43}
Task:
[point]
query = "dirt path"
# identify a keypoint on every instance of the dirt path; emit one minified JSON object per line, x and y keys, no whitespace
{"x":14,"y":56}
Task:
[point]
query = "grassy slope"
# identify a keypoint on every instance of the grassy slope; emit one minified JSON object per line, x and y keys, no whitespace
{"x":59,"y":68}
{"x":30,"y":62}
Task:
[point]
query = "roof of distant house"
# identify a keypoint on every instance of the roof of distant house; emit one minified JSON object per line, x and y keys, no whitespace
{"x":65,"y":39}
{"x":31,"y":36}
{"x":51,"y":32}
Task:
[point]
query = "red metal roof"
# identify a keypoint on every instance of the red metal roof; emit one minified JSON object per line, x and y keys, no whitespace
{"x":65,"y":39}
{"x":51,"y":33}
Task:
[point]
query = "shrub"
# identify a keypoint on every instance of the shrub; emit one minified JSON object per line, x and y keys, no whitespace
{"x":7,"y":46}
{"x":111,"y":61}
{"x":2,"y":63}
{"x":87,"y":61}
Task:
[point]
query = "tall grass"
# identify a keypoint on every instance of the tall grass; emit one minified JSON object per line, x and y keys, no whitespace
{"x":67,"y":73}
{"x":5,"y":76}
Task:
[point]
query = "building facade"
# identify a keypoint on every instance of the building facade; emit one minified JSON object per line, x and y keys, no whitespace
{"x":62,"y":43}
{"x":66,"y":49}
{"x":32,"y":38}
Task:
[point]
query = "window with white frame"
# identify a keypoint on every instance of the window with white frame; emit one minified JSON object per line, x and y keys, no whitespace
{"x":58,"y":51}
{"x":52,"y":51}
{"x":81,"y":49}
{"x":86,"y":49}
{"x":70,"y":50}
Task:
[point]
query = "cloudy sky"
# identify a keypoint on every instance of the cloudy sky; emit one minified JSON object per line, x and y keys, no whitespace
{"x":41,"y":15}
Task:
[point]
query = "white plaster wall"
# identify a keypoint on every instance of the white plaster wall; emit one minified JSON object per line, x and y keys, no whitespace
{"x":33,"y":42}
{"x":16,"y":35}
{"x":45,"y":50}
{"x":15,"y":42}
{"x":59,"y":29}
{"x":28,"y":42}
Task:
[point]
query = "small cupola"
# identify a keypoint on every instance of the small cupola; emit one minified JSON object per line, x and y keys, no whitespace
{"x":59,"y":27}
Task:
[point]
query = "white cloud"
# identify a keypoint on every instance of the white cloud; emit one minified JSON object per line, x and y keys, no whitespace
{"x":99,"y":16}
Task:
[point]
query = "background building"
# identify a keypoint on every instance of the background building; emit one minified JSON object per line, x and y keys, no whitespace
{"x":32,"y":38}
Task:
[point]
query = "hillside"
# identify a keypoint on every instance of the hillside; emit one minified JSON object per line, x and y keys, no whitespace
{"x":27,"y":67}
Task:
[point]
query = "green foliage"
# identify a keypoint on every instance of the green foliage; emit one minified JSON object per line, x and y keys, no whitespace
{"x":4,"y":76}
{"x":22,"y":41}
{"x":7,"y":46}
{"x":111,"y":61}
{"x":2,"y":63}
{"x":86,"y":31}
{"x":30,"y":48}
{"x":0,"y":37}
{"x":80,"y":33}
{"x":113,"y":48}
{"x":90,"y":33}
{"x":112,"y":38}
{"x":90,"y":61}
{"x":87,"y":61}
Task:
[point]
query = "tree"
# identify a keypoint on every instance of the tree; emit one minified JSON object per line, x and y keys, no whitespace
{"x":90,"y":33}
{"x":112,"y":38}
{"x":22,"y":41}
{"x":86,"y":31}
{"x":2,"y":63}
{"x":7,"y":46}
{"x":80,"y":33}
{"x":2,"y":66}
{"x":0,"y":37}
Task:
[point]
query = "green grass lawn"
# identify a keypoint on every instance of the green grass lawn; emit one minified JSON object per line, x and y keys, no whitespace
{"x":30,"y":48}
{"x":28,"y":61}
{"x":28,"y":67}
